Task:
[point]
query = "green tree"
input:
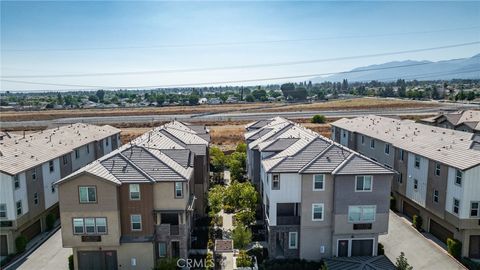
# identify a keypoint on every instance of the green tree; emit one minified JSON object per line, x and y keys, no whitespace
{"x":470,"y":95}
{"x":249,"y":98}
{"x":100,"y":94}
{"x":274,"y":94}
{"x":216,"y":196}
{"x":237,"y":164}
{"x":193,"y":100}
{"x":318,"y":119}
{"x":243,"y":259}
{"x":241,"y":147}
{"x":260,"y":94}
{"x":402,"y":263}
{"x":217,"y":159}
{"x":59,"y":99}
{"x":93,"y":98}
{"x":287,"y":89}
{"x":242,"y":236}
{"x":160,"y":99}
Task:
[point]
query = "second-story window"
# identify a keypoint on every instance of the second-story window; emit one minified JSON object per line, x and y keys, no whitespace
{"x":417,"y":162}
{"x":19,"y":208}
{"x":88,"y":194}
{"x":435,"y":195}
{"x":78,"y":227}
{"x":276,"y":181}
{"x":136,"y":222}
{"x":35,"y":198}
{"x":317,"y":212}
{"x":90,"y":225}
{"x":65,"y":159}
{"x":77,"y":154}
{"x":401,"y":155}
{"x":178,"y":189}
{"x":363,"y":183}
{"x":16,"y":181}
{"x":437,"y":169}
{"x":372,"y":143}
{"x":400,"y":178}
{"x":364,"y":213}
{"x":318,"y":182}
{"x":456,"y":206}
{"x":415,"y":184}
{"x":387,"y":149}
{"x":34,"y":174}
{"x":458,"y":177}
{"x":3,"y":210}
{"x":474,"y":209}
{"x":107,"y":141}
{"x":51,"y":166}
{"x":363,"y":139}
{"x":88,"y":148}
{"x":101,"y":225}
{"x":134,"y":191}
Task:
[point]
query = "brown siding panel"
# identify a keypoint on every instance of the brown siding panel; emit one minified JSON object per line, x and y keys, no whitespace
{"x":144,"y":207}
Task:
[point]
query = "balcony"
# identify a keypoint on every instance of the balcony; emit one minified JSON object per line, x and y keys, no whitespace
{"x":288,"y":220}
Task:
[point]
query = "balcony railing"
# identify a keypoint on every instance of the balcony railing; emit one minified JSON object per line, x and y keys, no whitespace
{"x":170,"y":230}
{"x":288,"y":220}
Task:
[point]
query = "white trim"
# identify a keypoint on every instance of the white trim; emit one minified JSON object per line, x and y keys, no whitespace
{"x":313,"y":183}
{"x":323,"y":211}
{"x":131,"y":223}
{"x":362,"y":221}
{"x":296,"y":240}
{"x":350,"y":245}
{"x":364,"y":190}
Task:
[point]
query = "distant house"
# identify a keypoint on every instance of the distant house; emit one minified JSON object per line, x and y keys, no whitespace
{"x":231,"y":99}
{"x":214,"y":101}
{"x":203,"y":101}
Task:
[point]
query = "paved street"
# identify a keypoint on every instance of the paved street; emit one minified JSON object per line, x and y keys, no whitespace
{"x":50,"y":255}
{"x":422,"y":253}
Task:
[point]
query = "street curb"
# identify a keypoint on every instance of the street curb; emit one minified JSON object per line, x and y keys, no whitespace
{"x":32,"y":249}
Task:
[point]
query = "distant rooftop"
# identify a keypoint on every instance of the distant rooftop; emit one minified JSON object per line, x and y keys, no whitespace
{"x":470,"y":118}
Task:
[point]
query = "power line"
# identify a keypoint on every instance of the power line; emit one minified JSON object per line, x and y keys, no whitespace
{"x":244,"y":66}
{"x":240,"y":43}
{"x":246,"y":80}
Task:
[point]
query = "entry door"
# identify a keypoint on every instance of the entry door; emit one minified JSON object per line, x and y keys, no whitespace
{"x":3,"y":245}
{"x":343,"y":248}
{"x":175,"y":249}
{"x":474,"y":249}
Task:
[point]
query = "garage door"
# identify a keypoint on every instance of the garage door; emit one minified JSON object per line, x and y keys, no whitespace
{"x":409,"y":210}
{"x":97,"y":260}
{"x":32,"y":230}
{"x":362,"y":247}
{"x":3,"y":245}
{"x":474,"y":249}
{"x":439,"y":231}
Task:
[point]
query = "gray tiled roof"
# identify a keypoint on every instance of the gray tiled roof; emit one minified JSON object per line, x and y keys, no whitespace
{"x":280,"y":144}
{"x":360,"y":263}
{"x":123,"y":170}
{"x":356,"y":164}
{"x":181,"y":156}
{"x":328,"y":160}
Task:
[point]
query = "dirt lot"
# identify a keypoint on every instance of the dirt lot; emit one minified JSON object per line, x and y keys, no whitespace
{"x":360,"y":103}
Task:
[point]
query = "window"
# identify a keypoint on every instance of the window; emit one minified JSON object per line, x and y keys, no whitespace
{"x":88,"y":194}
{"x":19,"y":208}
{"x":317,"y":212}
{"x":134,"y":191}
{"x":34,"y":174}
{"x":77,"y":154}
{"x":318,"y":182}
{"x":417,"y":162}
{"x":292,"y":240}
{"x":88,"y":148}
{"x":78,"y":226}
{"x":178,"y":189}
{"x":363,"y":139}
{"x":3,"y":210}
{"x":136,"y":222}
{"x":387,"y":149}
{"x":458,"y":177}
{"x":106,"y":141}
{"x":65,"y":159}
{"x":474,"y":209}
{"x":435,"y":195}
{"x":415,"y":184}
{"x":101,"y":225}
{"x":344,"y":133}
{"x":402,"y":155}
{"x":162,"y":249}
{"x":275,"y":181}
{"x":456,"y":206}
{"x":35,"y":198}
{"x":363,"y":183}
{"x":16,"y":181}
{"x":362,"y":213}
{"x":437,"y":169}
{"x":372,"y":143}
{"x":51,"y":166}
{"x":400,"y":178}
{"x":90,"y":225}
{"x":53,"y":188}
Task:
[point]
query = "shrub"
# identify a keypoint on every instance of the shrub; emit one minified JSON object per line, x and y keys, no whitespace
{"x":21,"y":243}
{"x":318,"y":119}
{"x":228,"y":209}
{"x":380,"y":249}
{"x":417,"y":222}
{"x":70,"y":262}
{"x":166,"y":264}
{"x":243,"y":260}
{"x":210,"y":263}
{"x":402,"y":263}
{"x":454,"y":247}
{"x":242,"y":236}
{"x":393,"y":204}
{"x":50,"y":220}
{"x":210,"y":244}
{"x":260,"y":253}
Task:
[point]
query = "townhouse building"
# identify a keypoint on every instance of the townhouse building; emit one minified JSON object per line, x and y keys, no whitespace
{"x":29,"y":166}
{"x":321,"y":199}
{"x":438,"y":172}
{"x":468,"y":121}
{"x":136,"y":205}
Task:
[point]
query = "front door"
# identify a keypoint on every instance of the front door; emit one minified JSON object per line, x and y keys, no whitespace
{"x":342,"y":248}
{"x":474,"y":249}
{"x":175,"y":249}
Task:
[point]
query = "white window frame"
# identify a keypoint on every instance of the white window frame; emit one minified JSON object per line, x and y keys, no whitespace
{"x":458,"y":176}
{"x":16,"y":181}
{"x":277,"y":180}
{"x":435,"y":196}
{"x":476,"y":209}
{"x":372,"y":143}
{"x":165,"y":254}
{"x":314,"y":181}
{"x":65,"y":159}
{"x":402,"y":155}
{"x":458,"y":207}
{"x":315,"y":205}
{"x":361,"y":207}
{"x":88,"y":194}
{"x":90,"y":225}
{"x":19,"y":208}
{"x":178,"y":184}
{"x":350,"y":245}
{"x":83,"y":226}
{"x":87,"y":148}
{"x":130,"y":192}
{"x":437,"y":169}
{"x":417,"y":157}
{"x":363,"y":185}
{"x":131,"y":222}
{"x":96,"y":225}
{"x":51,"y":166}
{"x":362,"y":139}
{"x":77,"y":153}
{"x":3,"y":210}
{"x":34,"y":174}
{"x":387,"y":149}
{"x":290,"y":235}
{"x":35,"y":198}
{"x":415,"y":184}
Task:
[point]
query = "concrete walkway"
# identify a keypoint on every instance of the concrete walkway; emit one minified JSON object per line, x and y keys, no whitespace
{"x":50,"y":255}
{"x":227,"y":228}
{"x":421,"y":252}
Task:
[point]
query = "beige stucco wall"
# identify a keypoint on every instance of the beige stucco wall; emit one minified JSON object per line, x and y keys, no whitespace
{"x":165,"y":196}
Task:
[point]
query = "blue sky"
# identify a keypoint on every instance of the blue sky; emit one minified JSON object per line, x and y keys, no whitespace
{"x":41,"y":38}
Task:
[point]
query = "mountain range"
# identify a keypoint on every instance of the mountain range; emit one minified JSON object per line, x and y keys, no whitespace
{"x":464,"y":68}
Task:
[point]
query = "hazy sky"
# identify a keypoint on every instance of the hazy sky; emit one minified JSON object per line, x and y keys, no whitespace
{"x":44,"y":38}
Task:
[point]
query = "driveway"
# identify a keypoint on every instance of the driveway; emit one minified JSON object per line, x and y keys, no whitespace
{"x":50,"y":255}
{"x":421,"y":252}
